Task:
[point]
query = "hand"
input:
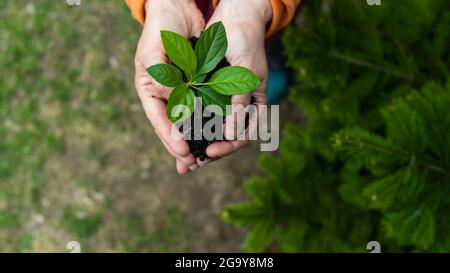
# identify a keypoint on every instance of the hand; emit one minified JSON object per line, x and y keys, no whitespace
{"x":245,"y":23}
{"x":183,"y":17}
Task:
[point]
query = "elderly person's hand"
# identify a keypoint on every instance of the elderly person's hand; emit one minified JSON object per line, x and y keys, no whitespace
{"x":245,"y":22}
{"x":182,"y":17}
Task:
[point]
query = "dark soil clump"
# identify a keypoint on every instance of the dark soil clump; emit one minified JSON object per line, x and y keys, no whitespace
{"x":198,"y":147}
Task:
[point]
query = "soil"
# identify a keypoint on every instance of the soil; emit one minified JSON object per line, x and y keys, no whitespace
{"x":198,"y":147}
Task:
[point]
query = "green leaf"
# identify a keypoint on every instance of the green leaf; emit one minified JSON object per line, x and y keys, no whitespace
{"x":383,"y":193}
{"x":180,"y":96}
{"x":245,"y":213}
{"x":211,"y":48}
{"x":234,"y":80}
{"x":260,"y":236}
{"x":200,"y":78}
{"x":210,"y":97}
{"x":166,"y":74}
{"x":415,"y":226}
{"x":180,"y":52}
{"x":292,"y":235}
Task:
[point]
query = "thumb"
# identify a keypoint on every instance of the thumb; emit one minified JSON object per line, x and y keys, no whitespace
{"x":150,"y":52}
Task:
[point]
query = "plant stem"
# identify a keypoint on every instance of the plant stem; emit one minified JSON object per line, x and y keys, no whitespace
{"x":195,"y":89}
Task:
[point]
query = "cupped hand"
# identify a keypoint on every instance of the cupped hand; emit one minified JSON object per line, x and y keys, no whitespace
{"x":245,"y":23}
{"x":184,"y":18}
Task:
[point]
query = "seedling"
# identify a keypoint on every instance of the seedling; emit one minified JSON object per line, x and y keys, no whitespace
{"x":190,"y":72}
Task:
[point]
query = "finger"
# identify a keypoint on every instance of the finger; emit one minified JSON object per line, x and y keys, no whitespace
{"x":181,"y":168}
{"x":186,"y":160}
{"x":193,"y":167}
{"x":244,"y":137}
{"x":198,"y":25}
{"x":202,"y":163}
{"x":225,"y":148}
{"x":144,"y":82}
{"x":155,"y":110}
{"x":253,"y":120}
{"x":259,"y":96}
{"x":235,"y":123}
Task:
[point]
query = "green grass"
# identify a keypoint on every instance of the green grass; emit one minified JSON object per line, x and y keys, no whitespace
{"x":66,"y":89}
{"x":167,"y":236}
{"x":80,"y":222}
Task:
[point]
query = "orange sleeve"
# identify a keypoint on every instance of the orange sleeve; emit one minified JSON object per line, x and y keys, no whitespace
{"x":283,"y":11}
{"x":137,"y":8}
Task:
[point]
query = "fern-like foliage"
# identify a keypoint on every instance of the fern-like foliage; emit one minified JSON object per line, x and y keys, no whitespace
{"x":411,"y":167}
{"x":331,"y":188}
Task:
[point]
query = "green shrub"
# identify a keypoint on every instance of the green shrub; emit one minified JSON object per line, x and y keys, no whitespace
{"x":372,"y":160}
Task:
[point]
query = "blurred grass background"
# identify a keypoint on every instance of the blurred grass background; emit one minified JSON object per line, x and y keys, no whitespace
{"x":78,"y":160}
